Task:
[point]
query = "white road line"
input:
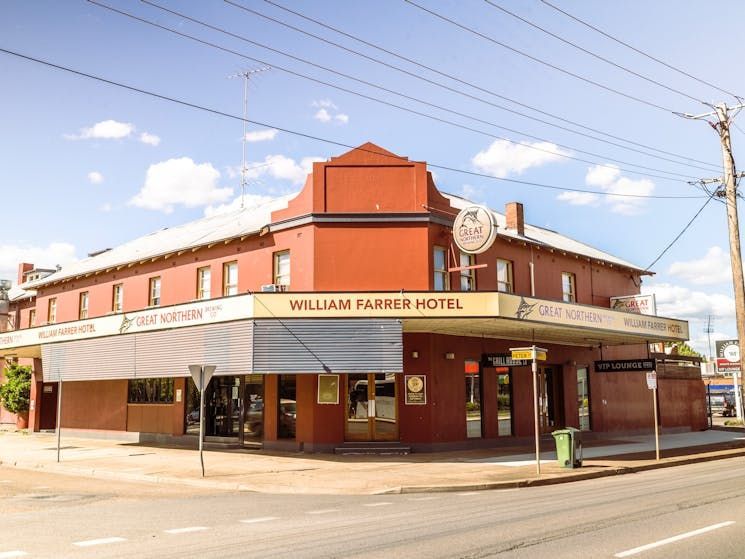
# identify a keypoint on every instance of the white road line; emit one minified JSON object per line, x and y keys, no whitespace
{"x":380,"y":504}
{"x":101,"y":541}
{"x":185,"y":530}
{"x":679,"y":537}
{"x":467,"y":494}
{"x":259,"y":519}
{"x":41,"y":487}
{"x":323,"y":511}
{"x":12,"y":554}
{"x":423,"y":498}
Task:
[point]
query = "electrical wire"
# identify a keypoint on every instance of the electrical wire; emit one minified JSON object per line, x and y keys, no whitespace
{"x":639,"y":51}
{"x":591,"y":53}
{"x":679,"y":235}
{"x":539,"y":60}
{"x":457,"y":91}
{"x":552,"y":152}
{"x":471,"y":84}
{"x":218,"y":112}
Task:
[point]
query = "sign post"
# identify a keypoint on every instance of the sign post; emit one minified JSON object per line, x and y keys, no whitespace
{"x":535,"y":354}
{"x":201,"y":375}
{"x":59,"y":416}
{"x":728,"y":360}
{"x":652,"y":385}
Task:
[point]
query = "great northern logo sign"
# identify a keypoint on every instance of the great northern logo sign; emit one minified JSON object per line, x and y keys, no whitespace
{"x":474,"y":229}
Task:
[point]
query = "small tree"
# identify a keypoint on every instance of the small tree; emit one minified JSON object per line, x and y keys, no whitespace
{"x":15,"y":394}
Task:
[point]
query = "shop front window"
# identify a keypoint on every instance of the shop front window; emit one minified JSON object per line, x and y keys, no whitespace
{"x":287,"y":407}
{"x":583,"y":399}
{"x":150,"y":391}
{"x":473,"y":400}
{"x":504,"y":404}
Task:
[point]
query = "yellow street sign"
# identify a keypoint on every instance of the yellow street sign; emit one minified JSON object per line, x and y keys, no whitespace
{"x":527,"y":355}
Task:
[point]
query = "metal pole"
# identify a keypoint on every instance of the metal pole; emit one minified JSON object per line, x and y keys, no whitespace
{"x":535,"y":414}
{"x":59,"y":415}
{"x":656,"y":427}
{"x":201,"y":420}
{"x":738,"y":400}
{"x":708,"y":401}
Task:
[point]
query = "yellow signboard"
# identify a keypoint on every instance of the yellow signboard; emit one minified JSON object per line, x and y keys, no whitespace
{"x":527,"y":355}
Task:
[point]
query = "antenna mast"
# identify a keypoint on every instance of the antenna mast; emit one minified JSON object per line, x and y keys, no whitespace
{"x":246,"y":75}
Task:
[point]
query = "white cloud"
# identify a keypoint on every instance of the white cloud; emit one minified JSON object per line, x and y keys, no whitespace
{"x":261,"y":135}
{"x":329,"y":112}
{"x":149,"y":139}
{"x":472,"y":193}
{"x":609,"y":179}
{"x":180,"y":182}
{"x":106,"y":207}
{"x":105,"y":130}
{"x":503,"y":158}
{"x":250,"y":201}
{"x":578,"y":198}
{"x":95,"y":177}
{"x":322,"y":115}
{"x":681,"y":302}
{"x":324,"y":103}
{"x":281,"y":167}
{"x":43,"y":257}
{"x":713,"y":268}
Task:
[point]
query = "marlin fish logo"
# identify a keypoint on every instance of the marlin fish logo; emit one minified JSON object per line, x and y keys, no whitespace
{"x":126,"y":323}
{"x":524,"y":309}
{"x":472,"y":217}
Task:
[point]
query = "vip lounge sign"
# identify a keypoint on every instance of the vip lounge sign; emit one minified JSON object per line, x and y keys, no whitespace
{"x":624,"y":365}
{"x":474,"y":229}
{"x":728,"y":356}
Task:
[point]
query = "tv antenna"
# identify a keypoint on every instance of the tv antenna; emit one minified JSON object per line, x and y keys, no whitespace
{"x":246,"y":75}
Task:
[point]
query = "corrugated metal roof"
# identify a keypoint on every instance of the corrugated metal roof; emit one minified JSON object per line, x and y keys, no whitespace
{"x":249,"y":221}
{"x":17,"y":294}
{"x":545,"y":237}
{"x":201,"y":232}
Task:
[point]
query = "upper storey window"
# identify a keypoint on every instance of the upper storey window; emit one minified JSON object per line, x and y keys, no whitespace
{"x":467,"y":277}
{"x":504,"y":276}
{"x":441,"y":276}
{"x":568,"y":287}
{"x":52,"y":310}
{"x":204,"y":283}
{"x":117,"y":298}
{"x":83,"y":306}
{"x":154,"y":299}
{"x":230,"y":278}
{"x":282,"y":268}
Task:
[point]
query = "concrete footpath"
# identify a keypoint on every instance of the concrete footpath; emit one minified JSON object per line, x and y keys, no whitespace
{"x":275,"y":472}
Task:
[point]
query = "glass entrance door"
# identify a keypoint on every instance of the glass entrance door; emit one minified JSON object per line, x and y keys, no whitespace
{"x":222,"y":413}
{"x":372,"y":407}
{"x":253,"y":409}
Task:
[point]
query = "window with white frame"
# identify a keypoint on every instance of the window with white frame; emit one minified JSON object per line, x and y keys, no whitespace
{"x":568,"y":287}
{"x":282,"y":268}
{"x":154,"y":298}
{"x":204,"y":283}
{"x":52,"y":310}
{"x":230,"y":278}
{"x":117,"y":298}
{"x":467,"y":277}
{"x":441,"y":276}
{"x":83,"y":306}
{"x":504,"y":276}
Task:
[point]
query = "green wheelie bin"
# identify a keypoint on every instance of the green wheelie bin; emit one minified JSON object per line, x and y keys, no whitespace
{"x":568,"y":447}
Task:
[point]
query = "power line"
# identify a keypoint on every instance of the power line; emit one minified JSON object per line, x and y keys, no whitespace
{"x":459,"y":80}
{"x":383,"y":102}
{"x":591,"y":53}
{"x":639,"y":51}
{"x":538,"y":60}
{"x":679,"y":235}
{"x":318,"y":138}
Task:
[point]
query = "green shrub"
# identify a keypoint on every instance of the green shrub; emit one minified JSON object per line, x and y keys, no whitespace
{"x":15,"y":394}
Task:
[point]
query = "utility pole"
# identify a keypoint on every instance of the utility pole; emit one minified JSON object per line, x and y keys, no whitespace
{"x":246,"y":75}
{"x":729,"y":180}
{"x":709,"y":329}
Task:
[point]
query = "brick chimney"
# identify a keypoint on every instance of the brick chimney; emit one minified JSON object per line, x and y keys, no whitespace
{"x":515,"y":219}
{"x":22,"y":269}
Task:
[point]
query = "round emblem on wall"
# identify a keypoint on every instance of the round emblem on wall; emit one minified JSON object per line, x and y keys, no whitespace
{"x":474,"y":229}
{"x":414,"y":384}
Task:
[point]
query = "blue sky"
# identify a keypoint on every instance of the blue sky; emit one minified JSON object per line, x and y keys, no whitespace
{"x":87,"y":166}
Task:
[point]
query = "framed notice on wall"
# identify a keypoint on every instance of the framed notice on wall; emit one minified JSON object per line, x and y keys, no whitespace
{"x":328,"y":389}
{"x":416,"y":389}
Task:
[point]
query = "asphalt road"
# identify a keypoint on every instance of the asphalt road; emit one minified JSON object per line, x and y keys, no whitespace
{"x":684,"y":512}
